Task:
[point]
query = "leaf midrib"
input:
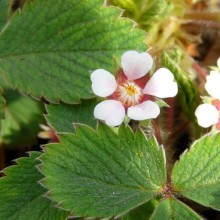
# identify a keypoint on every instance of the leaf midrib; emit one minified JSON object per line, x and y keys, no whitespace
{"x":118,"y":186}
{"x":191,"y":188}
{"x":64,"y":51}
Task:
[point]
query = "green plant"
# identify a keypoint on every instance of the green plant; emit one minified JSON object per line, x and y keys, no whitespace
{"x":135,"y":171}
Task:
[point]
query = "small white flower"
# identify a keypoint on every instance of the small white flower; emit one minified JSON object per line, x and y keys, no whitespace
{"x":208,"y":113}
{"x":212,"y":85}
{"x":126,"y":94}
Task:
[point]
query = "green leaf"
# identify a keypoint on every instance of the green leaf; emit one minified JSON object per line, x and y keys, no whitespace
{"x":142,"y":212}
{"x":197,"y":174}
{"x":161,"y":103}
{"x":53,"y":55}
{"x":172,"y":209}
{"x":102,"y":174}
{"x":62,"y":117}
{"x":186,"y":88}
{"x":145,"y":12}
{"x":2,"y":106}
{"x":22,"y":197}
{"x":3,"y":83}
{"x":4,"y":4}
{"x":22,"y":119}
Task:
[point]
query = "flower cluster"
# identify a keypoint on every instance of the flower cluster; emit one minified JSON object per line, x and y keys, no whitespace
{"x":208,"y":113}
{"x":131,"y":91}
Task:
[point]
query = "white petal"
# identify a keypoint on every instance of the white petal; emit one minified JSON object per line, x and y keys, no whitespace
{"x":135,"y":65}
{"x":143,"y":111}
{"x":161,"y":84}
{"x":110,"y":111}
{"x":207,"y":115}
{"x":218,"y":62}
{"x":212,"y":85}
{"x":103,"y":83}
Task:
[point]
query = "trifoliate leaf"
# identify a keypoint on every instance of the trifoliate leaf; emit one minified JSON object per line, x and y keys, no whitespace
{"x":142,"y":212}
{"x":57,"y":45}
{"x":186,"y":88}
{"x":172,"y":209}
{"x":23,"y":116}
{"x":22,"y":197}
{"x":102,"y":174}
{"x":197,"y":174}
{"x":62,"y":117}
{"x":4,"y":4}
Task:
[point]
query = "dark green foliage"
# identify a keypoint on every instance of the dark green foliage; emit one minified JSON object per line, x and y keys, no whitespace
{"x":22,"y":197}
{"x":102,"y":174}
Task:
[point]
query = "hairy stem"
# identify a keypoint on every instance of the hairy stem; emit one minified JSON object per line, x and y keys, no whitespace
{"x":2,"y":158}
{"x":200,"y":70}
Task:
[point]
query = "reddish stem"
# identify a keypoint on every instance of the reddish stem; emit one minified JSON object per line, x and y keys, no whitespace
{"x":157,"y":131}
{"x":200,"y":70}
{"x":2,"y":158}
{"x":170,"y":115}
{"x":199,"y":17}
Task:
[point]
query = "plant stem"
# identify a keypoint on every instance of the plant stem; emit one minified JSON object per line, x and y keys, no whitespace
{"x":200,"y":70}
{"x":157,"y":131}
{"x":206,"y":16}
{"x":2,"y":158}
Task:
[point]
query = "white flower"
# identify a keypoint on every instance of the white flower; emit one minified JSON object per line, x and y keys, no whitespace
{"x":127,"y":94}
{"x":212,"y":85}
{"x":208,"y":113}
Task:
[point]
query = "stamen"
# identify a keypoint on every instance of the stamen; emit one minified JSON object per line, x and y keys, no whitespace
{"x":129,"y":94}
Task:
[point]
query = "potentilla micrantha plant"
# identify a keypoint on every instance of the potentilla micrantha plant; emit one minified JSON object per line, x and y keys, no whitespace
{"x":115,"y":128}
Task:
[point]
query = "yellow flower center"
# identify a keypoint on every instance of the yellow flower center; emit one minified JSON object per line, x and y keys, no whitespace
{"x":129,"y":94}
{"x":130,"y":89}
